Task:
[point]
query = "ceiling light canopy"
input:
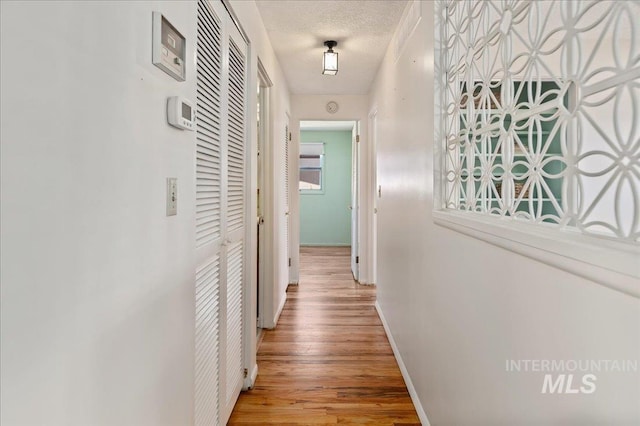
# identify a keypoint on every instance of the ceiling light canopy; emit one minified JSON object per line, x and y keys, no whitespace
{"x":330,"y":59}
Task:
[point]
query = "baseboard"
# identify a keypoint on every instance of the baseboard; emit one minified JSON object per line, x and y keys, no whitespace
{"x":279,"y":311}
{"x":259,"y":337}
{"x":250,"y":380}
{"x":422,"y":415}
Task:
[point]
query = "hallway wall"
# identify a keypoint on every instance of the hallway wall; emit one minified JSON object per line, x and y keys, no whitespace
{"x":97,"y":282}
{"x":325,"y":219}
{"x":458,"y":307}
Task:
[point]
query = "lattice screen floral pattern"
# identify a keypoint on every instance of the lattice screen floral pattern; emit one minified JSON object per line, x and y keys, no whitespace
{"x":542,"y":121}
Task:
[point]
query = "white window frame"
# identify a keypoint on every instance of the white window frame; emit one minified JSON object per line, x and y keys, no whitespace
{"x":604,"y":260}
{"x":322,"y":168}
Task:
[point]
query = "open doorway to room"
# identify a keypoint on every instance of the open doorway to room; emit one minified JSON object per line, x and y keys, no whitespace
{"x":328,"y":182}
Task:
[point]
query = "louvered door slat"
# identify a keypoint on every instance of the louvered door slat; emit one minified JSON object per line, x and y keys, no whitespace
{"x":209,"y":126}
{"x":207,"y":338}
{"x":208,"y":220}
{"x":208,"y":155}
{"x":208,"y":98}
{"x":236,"y":136}
{"x":234,"y":316}
{"x":208,"y":162}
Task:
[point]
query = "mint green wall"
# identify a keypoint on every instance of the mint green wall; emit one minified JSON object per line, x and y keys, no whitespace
{"x":325,"y":219}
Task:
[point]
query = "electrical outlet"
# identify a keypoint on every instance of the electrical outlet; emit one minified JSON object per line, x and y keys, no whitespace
{"x":172,"y":196}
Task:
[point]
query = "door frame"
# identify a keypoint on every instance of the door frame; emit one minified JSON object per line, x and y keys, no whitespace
{"x":263,"y":146}
{"x":273,"y":258}
{"x":356,"y":186}
{"x":355,"y":200}
{"x":373,"y":242}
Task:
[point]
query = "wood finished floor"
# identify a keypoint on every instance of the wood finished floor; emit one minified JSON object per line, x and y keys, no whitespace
{"x":329,"y":360}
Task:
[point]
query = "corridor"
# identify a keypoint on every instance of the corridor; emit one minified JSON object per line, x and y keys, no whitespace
{"x":328,"y":361}
{"x":163,"y":161}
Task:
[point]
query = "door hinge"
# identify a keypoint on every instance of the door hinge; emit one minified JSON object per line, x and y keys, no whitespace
{"x":357,"y":259}
{"x":289,"y":262}
{"x":357,"y":138}
{"x":289,"y":135}
{"x":246,"y":373}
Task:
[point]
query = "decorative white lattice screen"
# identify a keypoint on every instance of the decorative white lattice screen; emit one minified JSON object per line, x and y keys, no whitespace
{"x":541,"y":119}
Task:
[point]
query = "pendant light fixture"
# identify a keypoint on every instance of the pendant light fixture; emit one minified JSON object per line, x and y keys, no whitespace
{"x":330,"y":59}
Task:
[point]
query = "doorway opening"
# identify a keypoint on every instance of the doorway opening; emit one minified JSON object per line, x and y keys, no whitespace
{"x":328,"y":186}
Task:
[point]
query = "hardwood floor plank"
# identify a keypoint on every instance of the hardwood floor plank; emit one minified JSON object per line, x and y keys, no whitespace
{"x":329,"y":360}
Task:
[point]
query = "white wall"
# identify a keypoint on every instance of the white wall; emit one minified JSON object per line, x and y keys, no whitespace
{"x":97,"y":283}
{"x":458,"y":307}
{"x":351,"y":107}
{"x":275,"y":258}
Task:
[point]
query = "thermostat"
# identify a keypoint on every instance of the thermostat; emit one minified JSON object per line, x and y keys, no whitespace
{"x":169,"y":48}
{"x":181,"y":113}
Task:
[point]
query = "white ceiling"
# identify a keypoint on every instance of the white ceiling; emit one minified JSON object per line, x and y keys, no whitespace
{"x":362,"y":28}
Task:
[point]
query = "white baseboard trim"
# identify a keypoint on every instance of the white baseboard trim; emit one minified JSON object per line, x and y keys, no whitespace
{"x":422,"y":415}
{"x":279,"y":311}
{"x":250,"y":380}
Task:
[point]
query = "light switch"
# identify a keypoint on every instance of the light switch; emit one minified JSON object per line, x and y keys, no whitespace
{"x":172,"y":196}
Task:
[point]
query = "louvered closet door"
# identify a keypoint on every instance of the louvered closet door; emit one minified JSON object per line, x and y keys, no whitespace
{"x":220,"y":213}
{"x":209,"y":212}
{"x":236,"y":216}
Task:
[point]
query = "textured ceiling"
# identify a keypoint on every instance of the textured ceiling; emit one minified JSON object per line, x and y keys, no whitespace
{"x":298,"y":29}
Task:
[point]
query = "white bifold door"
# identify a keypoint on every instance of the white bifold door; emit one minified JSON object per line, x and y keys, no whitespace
{"x":220,"y":213}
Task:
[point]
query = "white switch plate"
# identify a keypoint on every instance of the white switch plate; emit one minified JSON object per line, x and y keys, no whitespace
{"x":172,"y":196}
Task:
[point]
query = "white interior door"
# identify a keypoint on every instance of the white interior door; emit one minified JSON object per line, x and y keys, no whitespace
{"x":355,"y":257}
{"x":220,"y":213}
{"x":236,"y":160}
{"x":208,"y":213}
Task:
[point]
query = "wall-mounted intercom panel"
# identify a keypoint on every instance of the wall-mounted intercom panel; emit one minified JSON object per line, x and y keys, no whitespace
{"x":169,"y":48}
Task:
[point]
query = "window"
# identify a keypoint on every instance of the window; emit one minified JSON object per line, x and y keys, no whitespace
{"x":312,"y":167}
{"x":538,"y":131}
